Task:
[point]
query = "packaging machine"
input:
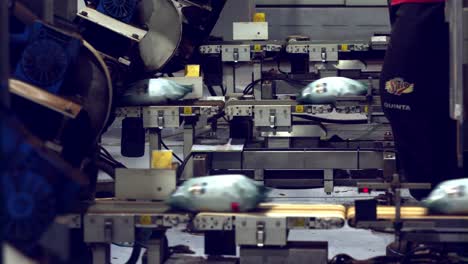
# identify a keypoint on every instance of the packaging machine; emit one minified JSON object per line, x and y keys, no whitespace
{"x":255,"y":127}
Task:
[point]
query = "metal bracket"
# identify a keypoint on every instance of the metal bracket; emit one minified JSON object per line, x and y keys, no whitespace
{"x":213,"y":223}
{"x":272,"y":116}
{"x":108,"y":228}
{"x":323,"y":53}
{"x":239,"y":110}
{"x":210,"y":49}
{"x":235,"y":53}
{"x":389,"y":166}
{"x":161,"y":117}
{"x":161,"y":221}
{"x":298,"y":48}
{"x":259,"y":231}
{"x":328,"y":181}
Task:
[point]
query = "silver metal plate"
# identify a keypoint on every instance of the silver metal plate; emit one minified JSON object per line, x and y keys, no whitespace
{"x":144,"y":184}
{"x":161,"y":117}
{"x":235,"y":53}
{"x":213,"y":222}
{"x":108,"y":228}
{"x":272,"y":116}
{"x":261,"y":231}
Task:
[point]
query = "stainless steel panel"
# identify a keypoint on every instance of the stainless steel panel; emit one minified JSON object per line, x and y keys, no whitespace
{"x":312,"y":160}
{"x":227,"y":160}
{"x":144,"y":184}
{"x":111,"y":228}
{"x":259,"y":231}
{"x":327,"y":23}
{"x":272,"y":116}
{"x":234,"y":11}
{"x":161,"y":117}
{"x":304,"y":254}
{"x":235,"y":53}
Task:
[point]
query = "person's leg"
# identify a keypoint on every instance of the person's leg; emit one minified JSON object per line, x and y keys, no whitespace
{"x":415,"y":94}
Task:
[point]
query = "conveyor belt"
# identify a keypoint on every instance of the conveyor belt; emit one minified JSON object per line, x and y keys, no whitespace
{"x":407,"y":212}
{"x":110,"y":206}
{"x":292,"y":210}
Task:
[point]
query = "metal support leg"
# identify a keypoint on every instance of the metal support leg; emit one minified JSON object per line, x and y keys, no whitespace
{"x":328,"y":181}
{"x":154,"y":142}
{"x":155,"y":251}
{"x":189,"y":136}
{"x":257,"y":75}
{"x":101,"y":253}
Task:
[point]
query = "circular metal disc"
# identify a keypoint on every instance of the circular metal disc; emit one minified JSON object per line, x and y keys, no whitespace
{"x":164,"y":23}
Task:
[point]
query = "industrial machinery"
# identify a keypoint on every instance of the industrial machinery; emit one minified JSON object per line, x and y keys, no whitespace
{"x":72,"y":64}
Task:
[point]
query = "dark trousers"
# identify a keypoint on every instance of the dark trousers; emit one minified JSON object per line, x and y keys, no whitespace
{"x":415,"y":94}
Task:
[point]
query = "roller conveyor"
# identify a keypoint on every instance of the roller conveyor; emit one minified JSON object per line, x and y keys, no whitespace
{"x":110,"y":206}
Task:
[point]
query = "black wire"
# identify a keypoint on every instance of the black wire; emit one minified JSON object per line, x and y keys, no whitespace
{"x":211,"y":90}
{"x":106,"y":155}
{"x":333,"y":121}
{"x":251,"y":85}
{"x":135,"y":256}
{"x":223,"y":90}
{"x":166,"y":147}
{"x":181,"y":169}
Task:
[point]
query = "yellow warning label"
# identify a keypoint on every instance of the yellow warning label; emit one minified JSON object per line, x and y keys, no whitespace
{"x":161,"y":159}
{"x":366,"y":109}
{"x":257,"y":48}
{"x":344,"y":47}
{"x":299,"y":109}
{"x":192,"y":70}
{"x":188,"y":110}
{"x":145,"y":220}
{"x":259,"y":17}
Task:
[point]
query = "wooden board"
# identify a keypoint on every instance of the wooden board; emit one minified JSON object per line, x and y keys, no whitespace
{"x":44,"y":98}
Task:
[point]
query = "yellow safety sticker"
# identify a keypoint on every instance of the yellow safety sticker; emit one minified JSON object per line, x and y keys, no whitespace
{"x":145,"y":220}
{"x":259,"y":17}
{"x":161,"y":159}
{"x":257,"y":48}
{"x":344,"y":47}
{"x":366,"y":109}
{"x":299,"y":109}
{"x":192,"y":70}
{"x":188,"y":110}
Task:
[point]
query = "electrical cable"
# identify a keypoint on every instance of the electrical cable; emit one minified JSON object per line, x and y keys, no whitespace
{"x":173,"y":154}
{"x":135,"y":255}
{"x":108,"y":156}
{"x":211,"y":90}
{"x":181,"y":168}
{"x":223,"y":90}
{"x":332,"y":121}
{"x":166,"y":147}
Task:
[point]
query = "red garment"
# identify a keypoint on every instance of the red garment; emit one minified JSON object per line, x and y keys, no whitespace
{"x":398,"y":2}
